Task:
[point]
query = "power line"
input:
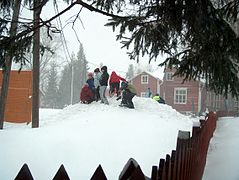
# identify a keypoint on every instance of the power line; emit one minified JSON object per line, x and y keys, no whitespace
{"x":65,"y":47}
{"x":63,"y":39}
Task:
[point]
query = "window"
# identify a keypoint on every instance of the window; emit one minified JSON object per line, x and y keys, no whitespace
{"x":169,"y":76}
{"x":180,"y":95}
{"x":144,"y":79}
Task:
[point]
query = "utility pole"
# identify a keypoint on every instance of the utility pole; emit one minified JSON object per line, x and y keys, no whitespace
{"x":72,"y":80}
{"x":7,"y":70}
{"x":36,"y":65}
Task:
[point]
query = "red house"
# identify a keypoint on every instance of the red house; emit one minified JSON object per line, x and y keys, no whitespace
{"x":192,"y":96}
{"x":146,"y":80}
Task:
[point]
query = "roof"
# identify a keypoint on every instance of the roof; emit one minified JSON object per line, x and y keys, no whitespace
{"x":158,"y":74}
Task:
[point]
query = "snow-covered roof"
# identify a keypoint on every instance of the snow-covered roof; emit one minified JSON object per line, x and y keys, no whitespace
{"x":158,"y":74}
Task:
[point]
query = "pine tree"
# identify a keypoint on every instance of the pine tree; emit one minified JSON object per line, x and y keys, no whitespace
{"x":79,"y":78}
{"x":130,"y":72}
{"x":64,"y":92}
{"x":51,"y":94}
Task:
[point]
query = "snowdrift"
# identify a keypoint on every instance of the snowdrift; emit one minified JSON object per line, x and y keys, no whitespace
{"x":83,"y":136}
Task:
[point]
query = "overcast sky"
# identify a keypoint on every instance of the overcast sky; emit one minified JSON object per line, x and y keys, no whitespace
{"x":99,"y":42}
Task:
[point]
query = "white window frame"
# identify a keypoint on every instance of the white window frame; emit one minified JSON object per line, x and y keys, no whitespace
{"x":143,"y":94}
{"x":142,"y":79}
{"x":182,"y":100}
{"x":169,"y":76}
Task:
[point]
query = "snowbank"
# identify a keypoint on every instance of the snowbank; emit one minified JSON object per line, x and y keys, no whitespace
{"x":83,"y":136}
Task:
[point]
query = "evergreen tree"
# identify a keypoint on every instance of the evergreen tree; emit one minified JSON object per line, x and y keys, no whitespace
{"x":64,"y":92}
{"x":51,"y":94}
{"x":130,"y":72}
{"x":79,"y":78}
{"x":82,"y":66}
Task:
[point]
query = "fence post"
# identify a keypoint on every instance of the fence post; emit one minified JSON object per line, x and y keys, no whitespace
{"x":98,"y":174}
{"x":182,"y":141}
{"x":154,"y":173}
{"x":61,"y":174}
{"x":24,"y":173}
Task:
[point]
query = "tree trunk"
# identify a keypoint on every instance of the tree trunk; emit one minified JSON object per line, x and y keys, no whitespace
{"x":36,"y":65}
{"x":8,"y":60}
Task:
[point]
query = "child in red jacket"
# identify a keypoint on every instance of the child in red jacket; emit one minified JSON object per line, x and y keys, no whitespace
{"x":86,"y":95}
{"x":115,"y":83}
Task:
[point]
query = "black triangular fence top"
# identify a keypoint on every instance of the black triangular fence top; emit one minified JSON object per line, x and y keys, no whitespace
{"x":61,"y":174}
{"x":99,"y":174}
{"x":24,"y":173}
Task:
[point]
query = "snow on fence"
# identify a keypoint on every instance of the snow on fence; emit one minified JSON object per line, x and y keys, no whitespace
{"x":187,"y":162}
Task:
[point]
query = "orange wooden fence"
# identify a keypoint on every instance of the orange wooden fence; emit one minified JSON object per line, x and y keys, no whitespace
{"x":187,"y":162}
{"x":19,"y":102}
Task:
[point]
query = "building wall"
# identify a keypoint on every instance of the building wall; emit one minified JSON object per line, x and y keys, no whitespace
{"x":19,"y":101}
{"x":152,"y":84}
{"x":168,"y":93}
{"x":198,"y":97}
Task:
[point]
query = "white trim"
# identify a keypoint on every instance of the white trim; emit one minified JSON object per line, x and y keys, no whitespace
{"x":142,"y":78}
{"x":167,"y":75}
{"x":184,"y":89}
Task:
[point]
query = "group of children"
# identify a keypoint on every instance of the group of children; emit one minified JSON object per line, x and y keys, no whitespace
{"x":96,"y":85}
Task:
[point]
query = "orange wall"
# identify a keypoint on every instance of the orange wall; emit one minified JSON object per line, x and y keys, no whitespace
{"x":19,"y":101}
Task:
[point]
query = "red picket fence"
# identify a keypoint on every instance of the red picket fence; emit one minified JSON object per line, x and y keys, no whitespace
{"x":187,"y":162}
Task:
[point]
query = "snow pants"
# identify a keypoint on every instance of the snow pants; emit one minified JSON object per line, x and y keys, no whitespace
{"x":102,"y":95}
{"x":127,"y":97}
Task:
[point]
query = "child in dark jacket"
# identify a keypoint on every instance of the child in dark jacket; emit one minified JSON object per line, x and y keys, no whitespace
{"x":103,"y":84}
{"x":86,"y":95}
{"x":128,"y":92}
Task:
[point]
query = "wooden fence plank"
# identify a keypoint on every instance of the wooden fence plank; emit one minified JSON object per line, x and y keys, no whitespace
{"x":137,"y":174}
{"x":161,"y":168}
{"x":61,"y":174}
{"x":24,"y":173}
{"x":154,"y":173}
{"x":99,"y":174}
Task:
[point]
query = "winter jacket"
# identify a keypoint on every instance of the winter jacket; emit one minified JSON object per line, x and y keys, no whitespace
{"x":115,"y":78}
{"x":97,"y":79}
{"x":132,"y":88}
{"x":86,"y":95}
{"x":159,"y":99}
{"x":90,"y":82}
{"x":104,"y":79}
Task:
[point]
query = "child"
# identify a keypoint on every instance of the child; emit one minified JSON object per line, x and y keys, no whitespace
{"x":90,"y":82}
{"x":159,"y":99}
{"x":97,"y":83}
{"x":128,"y":92}
{"x":103,"y":84}
{"x":86,"y":95}
{"x":115,"y":83}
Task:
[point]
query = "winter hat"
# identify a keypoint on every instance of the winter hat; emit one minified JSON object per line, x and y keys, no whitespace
{"x":104,"y":68}
{"x":97,"y":70}
{"x":124,"y":85}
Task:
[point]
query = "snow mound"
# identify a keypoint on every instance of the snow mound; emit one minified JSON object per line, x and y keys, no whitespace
{"x":83,"y":136}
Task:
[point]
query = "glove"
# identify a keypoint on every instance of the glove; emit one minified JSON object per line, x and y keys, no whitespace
{"x":118,"y":98}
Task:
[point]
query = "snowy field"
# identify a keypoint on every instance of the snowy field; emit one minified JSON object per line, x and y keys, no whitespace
{"x":83,"y":136}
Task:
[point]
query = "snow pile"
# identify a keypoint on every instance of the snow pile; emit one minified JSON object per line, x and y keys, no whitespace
{"x":83,"y":136}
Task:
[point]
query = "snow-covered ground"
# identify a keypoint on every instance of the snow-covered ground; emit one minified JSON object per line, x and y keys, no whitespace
{"x":83,"y":136}
{"x":223,"y":158}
